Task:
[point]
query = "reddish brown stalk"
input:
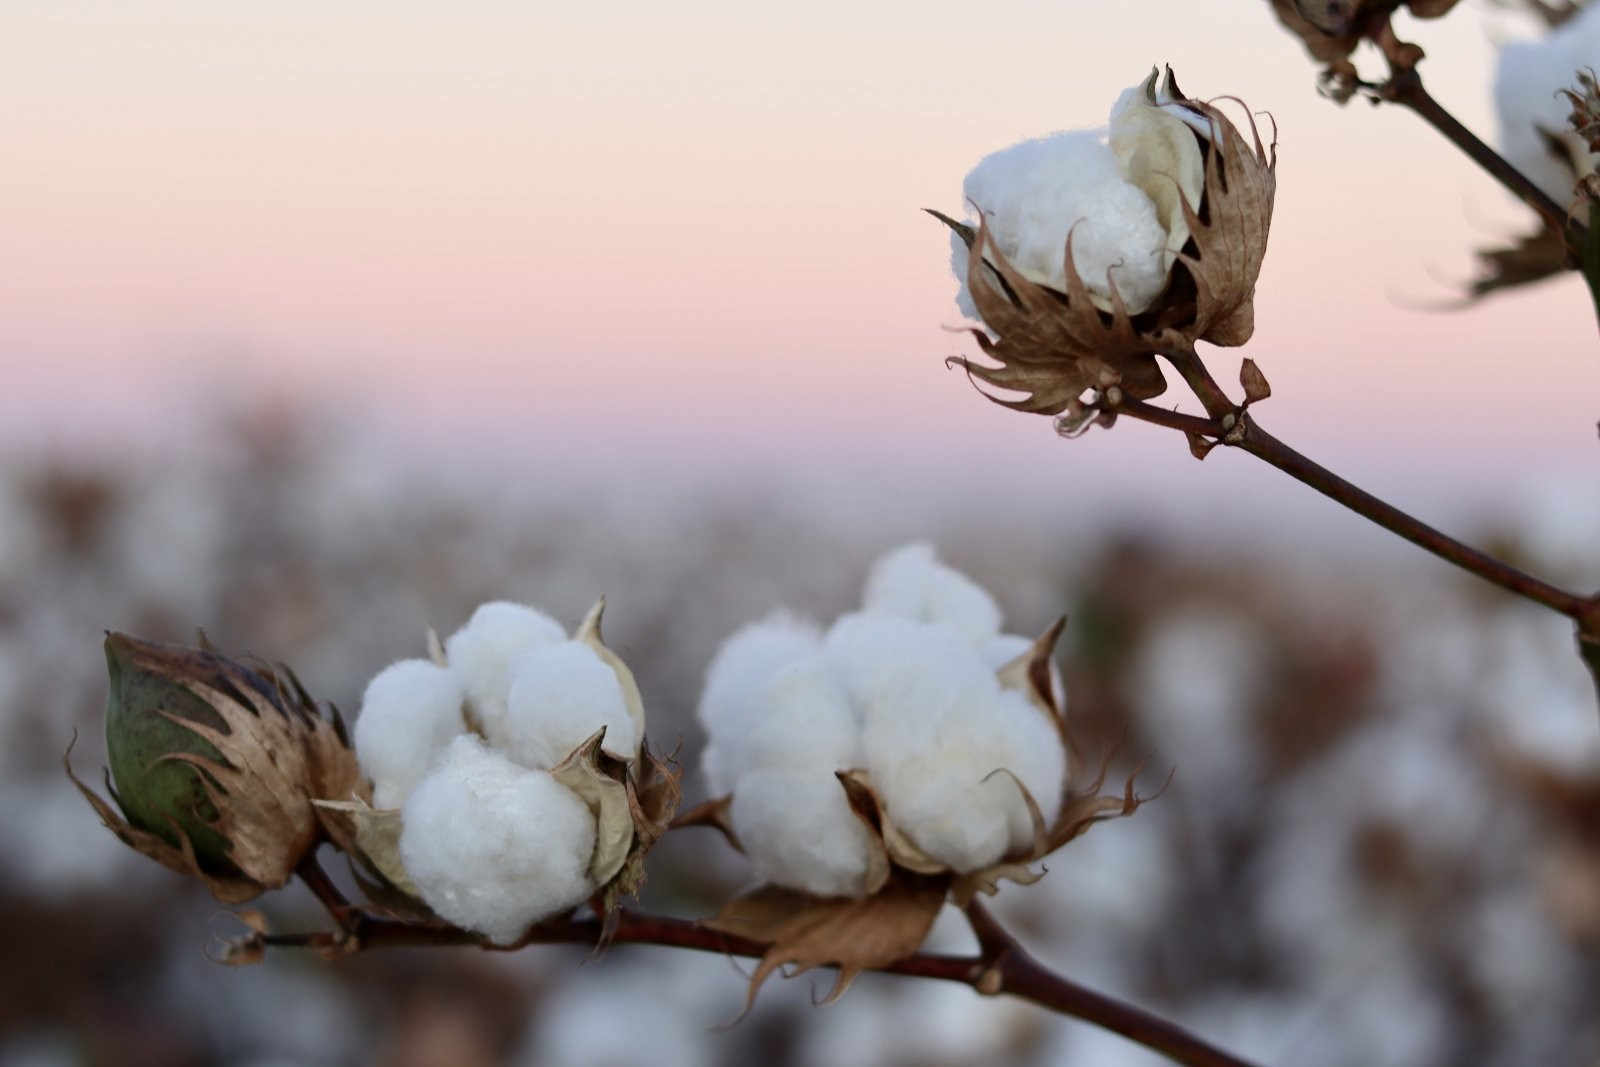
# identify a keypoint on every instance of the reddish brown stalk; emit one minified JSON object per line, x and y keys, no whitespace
{"x":1405,"y":88}
{"x":1001,"y":966}
{"x":1230,"y":424}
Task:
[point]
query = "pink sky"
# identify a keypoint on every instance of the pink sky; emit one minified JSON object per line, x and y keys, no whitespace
{"x":693,"y":228}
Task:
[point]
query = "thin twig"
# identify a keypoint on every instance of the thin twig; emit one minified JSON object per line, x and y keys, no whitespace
{"x":1232,"y":425}
{"x":1001,"y":967}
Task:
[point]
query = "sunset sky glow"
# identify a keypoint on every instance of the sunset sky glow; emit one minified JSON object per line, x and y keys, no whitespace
{"x":693,"y":229}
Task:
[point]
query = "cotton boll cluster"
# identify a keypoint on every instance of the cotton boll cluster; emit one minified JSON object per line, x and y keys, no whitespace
{"x":905,"y":690}
{"x":464,"y":749}
{"x":1534,"y":134}
{"x":1113,"y":190}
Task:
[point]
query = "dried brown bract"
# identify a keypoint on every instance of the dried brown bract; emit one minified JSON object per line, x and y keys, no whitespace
{"x":215,"y":765}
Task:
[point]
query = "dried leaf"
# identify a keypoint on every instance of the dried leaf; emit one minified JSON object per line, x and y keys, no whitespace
{"x":852,"y":935}
{"x":376,"y":833}
{"x":899,"y":848}
{"x":653,"y":792}
{"x":1253,"y":381}
{"x":1232,"y":241}
{"x":607,"y":798}
{"x":589,"y":634}
{"x":179,"y":858}
{"x":1199,"y":447}
{"x":714,"y":813}
{"x":1050,"y":346}
{"x":1531,"y":258}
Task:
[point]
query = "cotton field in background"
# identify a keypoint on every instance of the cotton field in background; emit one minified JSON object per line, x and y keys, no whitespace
{"x":1378,"y":845}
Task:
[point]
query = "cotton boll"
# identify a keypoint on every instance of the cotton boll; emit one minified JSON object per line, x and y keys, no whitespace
{"x":806,"y":721}
{"x":798,"y":831}
{"x":492,"y":846}
{"x":409,"y":713}
{"x":912,"y":583}
{"x":745,"y":665}
{"x":1527,"y":77}
{"x":483,"y":650}
{"x":560,"y":695}
{"x":1036,"y":192}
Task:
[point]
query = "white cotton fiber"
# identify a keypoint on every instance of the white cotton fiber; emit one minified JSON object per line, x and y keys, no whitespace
{"x":1002,"y":649}
{"x":745,"y":665}
{"x":560,"y":695}
{"x":494,"y":847}
{"x":1527,"y":77}
{"x":939,"y":782}
{"x":889,"y":659}
{"x":798,"y":831}
{"x":912,"y":583}
{"x":409,"y":713}
{"x":483,"y":650}
{"x":1035,"y":192}
{"x":803,"y":720}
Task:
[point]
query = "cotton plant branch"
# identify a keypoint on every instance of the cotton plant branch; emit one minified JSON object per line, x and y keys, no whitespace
{"x":1231,"y":424}
{"x":1404,"y":87}
{"x":1001,"y":965}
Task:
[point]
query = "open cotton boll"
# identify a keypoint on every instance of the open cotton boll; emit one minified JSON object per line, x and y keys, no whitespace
{"x":1036,"y":192}
{"x":1527,"y":77}
{"x":737,"y":678}
{"x":560,"y":695}
{"x":492,"y":846}
{"x":798,"y":831}
{"x":409,"y":713}
{"x":482,"y":651}
{"x":911,"y":582}
{"x":806,"y":722}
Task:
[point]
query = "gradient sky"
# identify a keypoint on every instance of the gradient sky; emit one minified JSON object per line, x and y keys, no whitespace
{"x":684,"y":232}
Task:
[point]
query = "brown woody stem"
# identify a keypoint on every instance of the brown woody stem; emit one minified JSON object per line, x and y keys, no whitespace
{"x":1232,"y":425}
{"x":1405,"y":88}
{"x":1002,"y":966}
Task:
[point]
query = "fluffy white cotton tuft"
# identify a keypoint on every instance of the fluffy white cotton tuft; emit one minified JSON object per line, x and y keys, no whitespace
{"x":946,"y":784}
{"x":740,"y":672}
{"x":798,"y":831}
{"x":1035,"y":192}
{"x":494,"y":847}
{"x":409,"y":713}
{"x":1001,"y":649}
{"x":560,"y":695}
{"x":902,"y":676}
{"x":1527,"y":77}
{"x":483,"y":650}
{"x":912,"y":583}
{"x":803,"y":720}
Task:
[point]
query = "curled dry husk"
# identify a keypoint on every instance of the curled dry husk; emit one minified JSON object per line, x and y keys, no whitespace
{"x":1052,"y":346}
{"x":220,"y":763}
{"x":632,"y":802}
{"x":905,"y":886}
